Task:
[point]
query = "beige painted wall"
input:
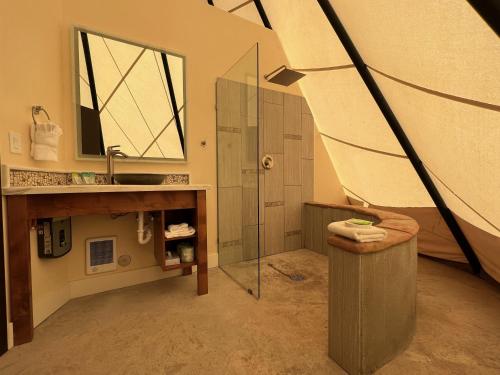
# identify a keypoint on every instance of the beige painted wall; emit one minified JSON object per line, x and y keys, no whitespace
{"x":36,"y":41}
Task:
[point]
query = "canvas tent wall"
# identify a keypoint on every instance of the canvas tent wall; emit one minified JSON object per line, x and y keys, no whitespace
{"x":437,"y":64}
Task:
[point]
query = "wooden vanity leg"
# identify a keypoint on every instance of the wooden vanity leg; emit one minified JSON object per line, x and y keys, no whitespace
{"x":18,"y":234}
{"x":201,"y":248}
{"x":187,"y":271}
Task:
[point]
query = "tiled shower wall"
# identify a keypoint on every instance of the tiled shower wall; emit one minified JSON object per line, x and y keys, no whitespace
{"x":286,"y":133}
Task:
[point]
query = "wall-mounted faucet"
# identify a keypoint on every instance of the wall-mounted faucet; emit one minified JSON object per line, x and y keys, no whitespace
{"x":110,"y":161}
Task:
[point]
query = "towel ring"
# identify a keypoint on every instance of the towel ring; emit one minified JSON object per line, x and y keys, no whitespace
{"x":35,"y":110}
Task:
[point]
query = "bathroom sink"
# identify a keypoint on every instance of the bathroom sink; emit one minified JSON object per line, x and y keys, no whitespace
{"x":139,"y":178}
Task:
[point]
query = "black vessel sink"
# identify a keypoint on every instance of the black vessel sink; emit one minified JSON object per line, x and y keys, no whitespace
{"x":139,"y":178}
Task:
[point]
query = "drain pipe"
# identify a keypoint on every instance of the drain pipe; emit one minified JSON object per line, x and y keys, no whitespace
{"x":143,"y":234}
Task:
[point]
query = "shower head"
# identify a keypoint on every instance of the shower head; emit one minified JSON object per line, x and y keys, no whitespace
{"x":283,"y":76}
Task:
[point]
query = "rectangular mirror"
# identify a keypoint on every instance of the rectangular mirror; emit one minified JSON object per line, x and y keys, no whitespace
{"x":129,"y":95}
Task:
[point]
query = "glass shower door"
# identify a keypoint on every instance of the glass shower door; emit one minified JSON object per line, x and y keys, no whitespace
{"x":238,"y":177}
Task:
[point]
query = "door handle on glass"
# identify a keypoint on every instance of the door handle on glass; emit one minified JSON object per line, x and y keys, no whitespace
{"x":267,"y":162}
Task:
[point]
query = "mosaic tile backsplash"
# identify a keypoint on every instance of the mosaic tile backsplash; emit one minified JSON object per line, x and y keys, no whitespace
{"x":18,"y":178}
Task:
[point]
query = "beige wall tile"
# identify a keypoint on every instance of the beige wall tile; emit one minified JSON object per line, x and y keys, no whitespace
{"x":227,"y":119}
{"x":234,"y":93}
{"x":250,"y":238}
{"x":312,"y":223}
{"x":261,"y":102}
{"x":230,"y":214}
{"x":229,"y":96}
{"x":230,"y":254}
{"x":274,"y":230}
{"x":261,"y":196}
{"x":328,"y":217}
{"x":293,"y":208}
{"x":292,"y":162}
{"x":344,"y":330}
{"x":292,"y":113}
{"x":371,"y":305}
{"x":249,"y":179}
{"x":307,"y":226}
{"x":317,"y":229}
{"x":229,"y":160}
{"x":273,"y":179}
{"x":293,"y":241}
{"x":271,"y":96}
{"x":307,"y":180}
{"x":307,"y":136}
{"x":250,"y":197}
{"x":273,"y":128}
{"x":249,"y":101}
{"x":249,"y":151}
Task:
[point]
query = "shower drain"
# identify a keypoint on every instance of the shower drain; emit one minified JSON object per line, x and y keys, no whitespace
{"x":292,"y":276}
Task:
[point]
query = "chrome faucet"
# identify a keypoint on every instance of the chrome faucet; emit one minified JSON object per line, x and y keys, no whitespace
{"x":110,"y":161}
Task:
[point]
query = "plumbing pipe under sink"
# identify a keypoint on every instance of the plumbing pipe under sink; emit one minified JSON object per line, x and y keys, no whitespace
{"x":143,"y":233}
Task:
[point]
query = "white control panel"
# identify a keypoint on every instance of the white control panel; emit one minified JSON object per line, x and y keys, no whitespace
{"x":15,"y":142}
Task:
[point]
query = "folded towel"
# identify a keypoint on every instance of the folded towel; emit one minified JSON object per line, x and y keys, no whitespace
{"x":353,"y":225}
{"x":369,"y":234}
{"x":46,"y":133}
{"x":180,"y":233}
{"x":370,"y":237}
{"x":176,"y":227}
{"x":44,"y":140}
{"x":43,"y":152}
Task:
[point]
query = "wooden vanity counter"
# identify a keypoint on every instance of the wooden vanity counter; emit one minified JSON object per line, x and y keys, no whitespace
{"x":26,"y":204}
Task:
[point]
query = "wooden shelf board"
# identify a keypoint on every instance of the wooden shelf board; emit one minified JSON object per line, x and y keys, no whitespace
{"x":178,"y":266}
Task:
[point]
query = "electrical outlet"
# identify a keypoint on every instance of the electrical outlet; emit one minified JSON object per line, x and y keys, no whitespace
{"x":15,"y":143}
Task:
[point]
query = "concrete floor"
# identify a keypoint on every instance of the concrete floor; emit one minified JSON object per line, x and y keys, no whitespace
{"x":164,"y":328}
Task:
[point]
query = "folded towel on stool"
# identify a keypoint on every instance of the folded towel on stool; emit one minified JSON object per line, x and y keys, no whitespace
{"x":369,"y":234}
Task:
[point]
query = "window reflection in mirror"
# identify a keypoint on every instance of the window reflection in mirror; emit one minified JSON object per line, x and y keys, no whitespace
{"x":129,"y":95}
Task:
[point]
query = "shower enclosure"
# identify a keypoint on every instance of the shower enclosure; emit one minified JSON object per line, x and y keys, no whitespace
{"x":239,"y":172}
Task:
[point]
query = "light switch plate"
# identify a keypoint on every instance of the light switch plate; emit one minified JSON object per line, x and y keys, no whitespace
{"x":15,"y":143}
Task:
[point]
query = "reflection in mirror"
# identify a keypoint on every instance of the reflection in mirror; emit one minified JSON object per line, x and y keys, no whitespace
{"x":129,"y":95}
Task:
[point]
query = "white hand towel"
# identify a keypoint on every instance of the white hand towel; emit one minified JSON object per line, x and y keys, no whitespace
{"x":44,"y":141}
{"x":370,"y":234}
{"x":43,"y":152}
{"x":46,"y":133}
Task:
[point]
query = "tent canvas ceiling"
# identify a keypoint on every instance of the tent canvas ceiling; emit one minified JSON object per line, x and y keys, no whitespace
{"x":437,"y":64}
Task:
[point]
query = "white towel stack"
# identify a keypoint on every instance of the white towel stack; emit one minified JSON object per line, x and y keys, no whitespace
{"x":179,"y":230}
{"x":367,"y":234}
{"x":44,"y":141}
